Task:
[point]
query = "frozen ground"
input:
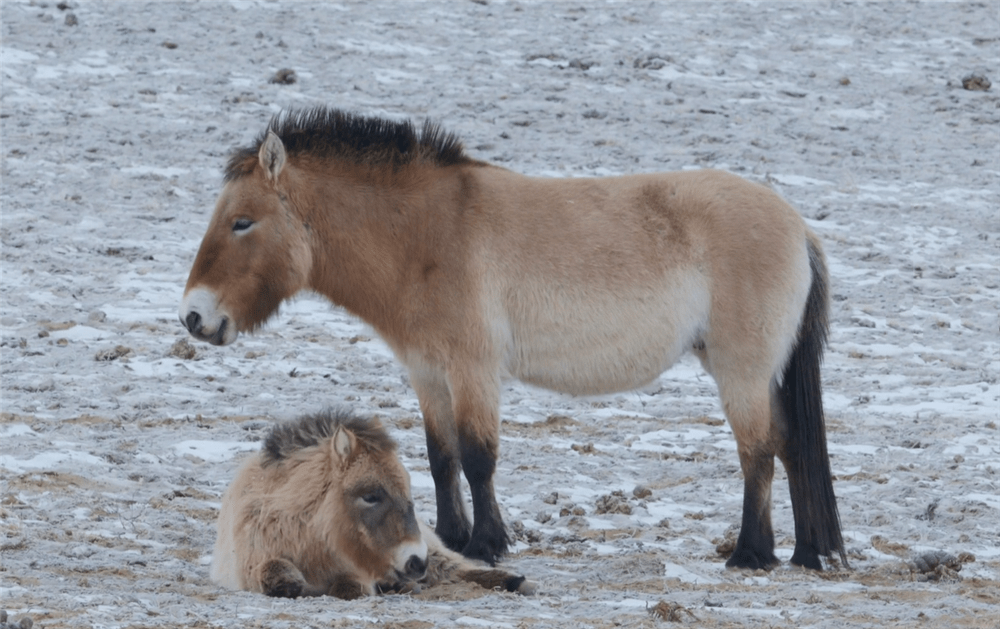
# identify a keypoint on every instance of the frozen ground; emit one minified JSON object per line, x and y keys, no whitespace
{"x":115,"y":443}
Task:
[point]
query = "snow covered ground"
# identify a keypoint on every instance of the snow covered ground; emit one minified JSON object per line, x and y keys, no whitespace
{"x":116,"y":443}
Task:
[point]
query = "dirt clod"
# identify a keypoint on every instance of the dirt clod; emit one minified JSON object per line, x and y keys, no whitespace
{"x":672,"y":612}
{"x":107,"y":355}
{"x":930,"y":561}
{"x":615,"y":502}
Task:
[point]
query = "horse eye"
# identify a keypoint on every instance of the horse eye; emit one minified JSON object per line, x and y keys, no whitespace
{"x":372,"y":498}
{"x":242,"y":224}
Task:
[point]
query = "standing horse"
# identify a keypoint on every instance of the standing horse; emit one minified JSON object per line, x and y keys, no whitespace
{"x":473,"y":273}
{"x":325,"y":508}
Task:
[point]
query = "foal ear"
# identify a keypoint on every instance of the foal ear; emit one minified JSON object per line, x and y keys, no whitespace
{"x":342,"y":443}
{"x":272,"y":156}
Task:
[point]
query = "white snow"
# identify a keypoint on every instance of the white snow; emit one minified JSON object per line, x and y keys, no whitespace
{"x":113,"y":149}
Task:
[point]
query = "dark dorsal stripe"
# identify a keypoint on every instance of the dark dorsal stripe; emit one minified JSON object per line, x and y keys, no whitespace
{"x":325,"y":133}
{"x":310,"y":430}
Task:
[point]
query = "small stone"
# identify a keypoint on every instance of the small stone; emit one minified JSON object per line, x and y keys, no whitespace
{"x":71,"y":19}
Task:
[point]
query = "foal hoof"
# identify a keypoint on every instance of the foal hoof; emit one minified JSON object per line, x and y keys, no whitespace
{"x":521,"y":585}
{"x":286,"y":589}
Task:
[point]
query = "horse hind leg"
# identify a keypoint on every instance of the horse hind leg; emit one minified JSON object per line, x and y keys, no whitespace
{"x":746,"y":400}
{"x":750,"y":419}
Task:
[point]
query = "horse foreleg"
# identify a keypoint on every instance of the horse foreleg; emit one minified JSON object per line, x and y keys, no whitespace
{"x":476,"y":400}
{"x":443,"y":454}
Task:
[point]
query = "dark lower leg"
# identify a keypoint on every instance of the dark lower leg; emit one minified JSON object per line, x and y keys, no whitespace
{"x":755,"y":546}
{"x":489,"y":538}
{"x":453,"y":525}
{"x":806,"y":552}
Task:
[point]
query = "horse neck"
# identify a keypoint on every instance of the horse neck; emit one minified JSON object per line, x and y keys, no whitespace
{"x":365,"y":231}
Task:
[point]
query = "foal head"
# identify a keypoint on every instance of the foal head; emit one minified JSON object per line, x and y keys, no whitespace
{"x":255,"y":254}
{"x":366,"y":514}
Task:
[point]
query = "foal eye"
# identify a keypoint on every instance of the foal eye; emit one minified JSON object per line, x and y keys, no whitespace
{"x":372,"y":498}
{"x":242,"y":224}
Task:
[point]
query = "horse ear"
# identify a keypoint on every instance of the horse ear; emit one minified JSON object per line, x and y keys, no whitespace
{"x":272,"y":156}
{"x":342,"y":443}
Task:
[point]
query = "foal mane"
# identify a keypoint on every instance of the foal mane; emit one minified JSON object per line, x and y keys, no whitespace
{"x":287,"y":438}
{"x":325,"y":133}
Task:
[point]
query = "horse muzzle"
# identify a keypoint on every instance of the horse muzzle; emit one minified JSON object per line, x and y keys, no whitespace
{"x":201,"y":315}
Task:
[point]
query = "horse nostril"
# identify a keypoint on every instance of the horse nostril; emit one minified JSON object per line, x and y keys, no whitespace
{"x":193,"y":321}
{"x":416,"y":567}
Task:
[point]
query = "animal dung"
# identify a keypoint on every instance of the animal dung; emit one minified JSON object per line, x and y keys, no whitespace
{"x":976,"y":82}
{"x":284,"y":76}
{"x":182,"y":349}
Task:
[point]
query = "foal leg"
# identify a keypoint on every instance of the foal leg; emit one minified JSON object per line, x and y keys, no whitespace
{"x":278,"y":577}
{"x":443,"y":454}
{"x":476,"y":402}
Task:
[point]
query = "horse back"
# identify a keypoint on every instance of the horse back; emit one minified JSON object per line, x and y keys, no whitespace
{"x":597,"y":285}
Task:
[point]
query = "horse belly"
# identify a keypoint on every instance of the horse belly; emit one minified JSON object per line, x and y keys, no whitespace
{"x":591,"y":344}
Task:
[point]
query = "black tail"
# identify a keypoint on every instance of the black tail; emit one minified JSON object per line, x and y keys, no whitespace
{"x":817,"y":522}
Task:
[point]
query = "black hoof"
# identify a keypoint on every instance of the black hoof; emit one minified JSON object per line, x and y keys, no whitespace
{"x":752,"y":560}
{"x":513,"y":584}
{"x":287,"y":589}
{"x":807,"y":558}
{"x":484,"y":550}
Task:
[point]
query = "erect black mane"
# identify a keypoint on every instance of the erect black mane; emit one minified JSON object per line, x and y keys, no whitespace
{"x":309,"y":430}
{"x":333,"y":134}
